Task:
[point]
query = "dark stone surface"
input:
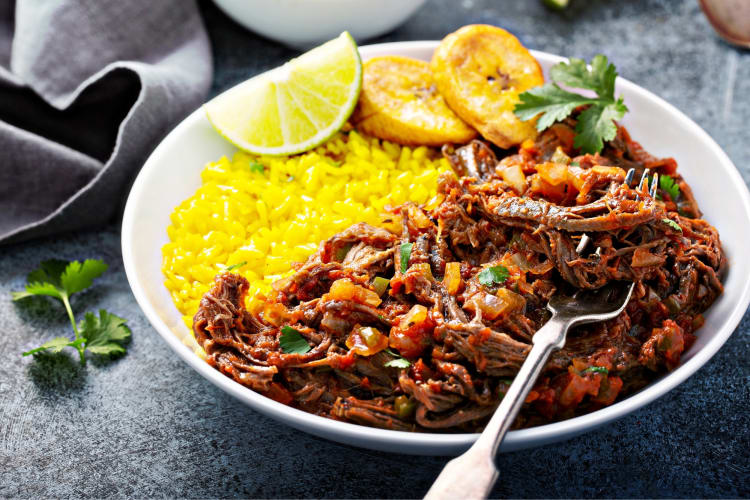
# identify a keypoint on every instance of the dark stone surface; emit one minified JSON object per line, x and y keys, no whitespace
{"x":147,"y":425}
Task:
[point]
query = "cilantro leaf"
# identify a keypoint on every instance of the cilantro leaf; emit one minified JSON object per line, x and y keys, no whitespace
{"x":490,"y":276}
{"x":600,"y":79}
{"x":405,"y":252}
{"x":105,"y":334}
{"x":37,"y":288}
{"x":55,"y":345}
{"x":57,"y":278}
{"x":292,"y":341}
{"x":398,"y":363}
{"x":596,"y":124}
{"x":552,"y":103}
{"x":596,"y":369}
{"x":44,"y":281}
{"x":669,"y":186}
{"x":672,"y":224}
{"x":79,"y":276}
{"x":256,"y":167}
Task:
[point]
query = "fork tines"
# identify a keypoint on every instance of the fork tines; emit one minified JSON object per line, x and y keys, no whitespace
{"x":642,"y":184}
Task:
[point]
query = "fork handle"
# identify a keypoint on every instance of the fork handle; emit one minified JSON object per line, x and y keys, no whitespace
{"x":473,"y":474}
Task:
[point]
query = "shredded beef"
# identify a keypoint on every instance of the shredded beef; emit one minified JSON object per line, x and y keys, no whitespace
{"x":438,"y":349}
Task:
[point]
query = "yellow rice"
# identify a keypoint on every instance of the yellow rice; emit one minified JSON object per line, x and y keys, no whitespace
{"x":271,"y":219}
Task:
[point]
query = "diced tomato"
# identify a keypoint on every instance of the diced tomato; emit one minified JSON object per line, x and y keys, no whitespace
{"x":420,"y":372}
{"x":277,"y":392}
{"x":576,"y":388}
{"x":412,"y":334}
{"x":608,"y":390}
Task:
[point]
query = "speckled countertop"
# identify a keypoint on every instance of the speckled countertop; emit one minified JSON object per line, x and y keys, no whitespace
{"x":147,"y":425}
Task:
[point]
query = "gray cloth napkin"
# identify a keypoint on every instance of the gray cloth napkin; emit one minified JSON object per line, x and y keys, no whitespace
{"x":87,"y":90}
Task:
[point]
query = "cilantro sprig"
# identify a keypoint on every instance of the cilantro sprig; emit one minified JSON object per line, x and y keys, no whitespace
{"x":597,"y":123}
{"x":105,"y":334}
{"x":494,"y":275}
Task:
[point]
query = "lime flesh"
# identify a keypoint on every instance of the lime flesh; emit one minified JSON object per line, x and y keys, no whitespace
{"x":295,"y":107}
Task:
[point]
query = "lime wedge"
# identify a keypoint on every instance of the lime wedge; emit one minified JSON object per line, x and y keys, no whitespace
{"x":295,"y":107}
{"x":556,"y":4}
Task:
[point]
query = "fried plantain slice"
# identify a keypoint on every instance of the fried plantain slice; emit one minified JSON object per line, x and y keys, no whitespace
{"x":399,"y":102}
{"x":480,"y":70}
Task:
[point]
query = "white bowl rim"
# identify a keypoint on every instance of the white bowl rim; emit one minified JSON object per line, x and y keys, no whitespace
{"x":417,"y":442}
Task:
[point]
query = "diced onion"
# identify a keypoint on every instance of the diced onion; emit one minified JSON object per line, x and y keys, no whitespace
{"x":366,"y":341}
{"x":452,"y":279}
{"x":416,"y":315}
{"x":344,"y":289}
{"x":513,"y":175}
{"x":423,"y":268}
{"x":493,"y":306}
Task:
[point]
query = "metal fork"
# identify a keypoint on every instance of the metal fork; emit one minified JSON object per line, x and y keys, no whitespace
{"x":472,"y":474}
{"x":585,"y":239}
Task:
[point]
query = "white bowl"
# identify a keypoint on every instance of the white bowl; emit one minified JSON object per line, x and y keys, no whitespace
{"x":305,"y":23}
{"x":171,"y":174}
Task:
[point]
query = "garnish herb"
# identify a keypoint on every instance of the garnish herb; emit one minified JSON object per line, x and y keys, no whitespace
{"x":235,"y":266}
{"x":504,"y":381}
{"x":399,"y":362}
{"x":596,"y":369}
{"x":256,"y":167}
{"x":105,"y":334}
{"x":493,"y":275}
{"x":597,"y":123}
{"x":405,"y":256}
{"x":672,"y":224}
{"x":669,"y":186}
{"x":292,"y":341}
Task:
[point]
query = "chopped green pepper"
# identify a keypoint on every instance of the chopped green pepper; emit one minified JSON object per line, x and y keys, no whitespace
{"x":380,"y":285}
{"x":403,"y":406}
{"x":673,"y":304}
{"x":341,"y":252}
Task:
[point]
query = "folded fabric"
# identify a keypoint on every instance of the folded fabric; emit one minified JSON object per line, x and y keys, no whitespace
{"x":87,"y":90}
